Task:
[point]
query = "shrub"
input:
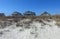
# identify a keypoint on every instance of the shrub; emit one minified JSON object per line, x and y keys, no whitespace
{"x":19,"y":25}
{"x":58,"y":24}
{"x":21,"y":30}
{"x":1,"y":33}
{"x":27,"y":27}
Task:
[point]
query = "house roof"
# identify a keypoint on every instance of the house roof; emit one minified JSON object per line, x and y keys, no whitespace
{"x":18,"y":13}
{"x":45,"y":14}
{"x":2,"y":14}
{"x":29,"y":12}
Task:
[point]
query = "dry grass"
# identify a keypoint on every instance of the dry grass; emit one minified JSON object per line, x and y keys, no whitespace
{"x":31,"y":17}
{"x":58,"y":24}
{"x":36,"y":18}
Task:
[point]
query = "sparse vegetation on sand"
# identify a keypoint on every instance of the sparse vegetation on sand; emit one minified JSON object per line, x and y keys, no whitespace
{"x":17,"y":17}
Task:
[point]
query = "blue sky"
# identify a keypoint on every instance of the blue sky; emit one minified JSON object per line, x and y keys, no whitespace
{"x":38,"y":6}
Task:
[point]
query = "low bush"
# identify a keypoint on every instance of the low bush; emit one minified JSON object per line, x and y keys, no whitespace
{"x":58,"y":24}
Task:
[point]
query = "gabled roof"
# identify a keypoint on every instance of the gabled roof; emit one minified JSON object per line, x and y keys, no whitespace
{"x":29,"y":13}
{"x":45,"y":14}
{"x":2,"y":14}
{"x":16,"y":14}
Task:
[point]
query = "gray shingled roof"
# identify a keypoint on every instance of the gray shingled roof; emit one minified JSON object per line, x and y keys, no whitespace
{"x":2,"y":14}
{"x":45,"y":14}
{"x":29,"y":13}
{"x":16,"y":14}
